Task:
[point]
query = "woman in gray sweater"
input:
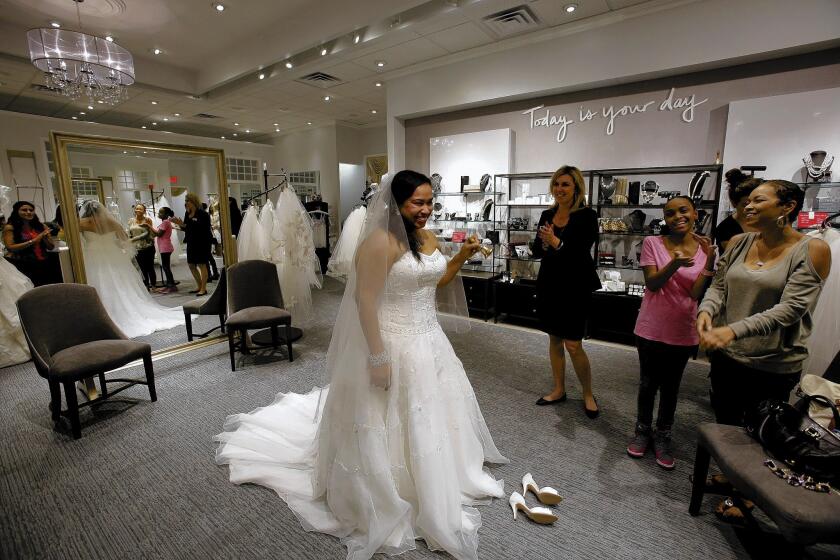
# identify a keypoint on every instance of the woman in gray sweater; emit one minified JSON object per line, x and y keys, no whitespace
{"x":756,"y":317}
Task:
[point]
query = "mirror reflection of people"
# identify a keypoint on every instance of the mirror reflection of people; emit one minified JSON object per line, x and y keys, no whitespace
{"x":29,"y":245}
{"x":235,"y":217}
{"x":197,"y":236}
{"x":107,"y":253}
{"x":165,"y":247}
{"x":139,"y":228}
{"x":215,"y":226}
{"x":565,"y":283}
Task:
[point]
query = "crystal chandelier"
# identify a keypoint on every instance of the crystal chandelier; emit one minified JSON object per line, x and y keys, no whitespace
{"x":77,"y":64}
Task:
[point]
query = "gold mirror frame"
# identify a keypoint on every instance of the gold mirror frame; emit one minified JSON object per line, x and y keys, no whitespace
{"x":60,"y":142}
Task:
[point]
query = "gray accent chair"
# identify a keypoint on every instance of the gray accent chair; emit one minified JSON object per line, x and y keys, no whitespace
{"x":214,"y":304}
{"x":255,"y":301}
{"x":71,"y":337}
{"x":802,"y":516}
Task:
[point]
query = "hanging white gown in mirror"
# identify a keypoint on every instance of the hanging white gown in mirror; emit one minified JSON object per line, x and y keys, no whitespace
{"x":109,"y":269}
{"x":13,"y":284}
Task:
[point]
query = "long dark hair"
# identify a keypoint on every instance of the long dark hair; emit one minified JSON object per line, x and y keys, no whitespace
{"x":402,"y":187}
{"x":17,"y":222}
{"x":167,"y":211}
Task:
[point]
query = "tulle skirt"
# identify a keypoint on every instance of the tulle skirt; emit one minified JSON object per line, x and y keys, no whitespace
{"x":118,"y":284}
{"x":13,"y":284}
{"x":341,"y":261}
{"x":825,"y":332}
{"x":409,"y":468}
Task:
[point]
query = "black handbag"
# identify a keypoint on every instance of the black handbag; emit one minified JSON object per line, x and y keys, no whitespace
{"x":788,"y":433}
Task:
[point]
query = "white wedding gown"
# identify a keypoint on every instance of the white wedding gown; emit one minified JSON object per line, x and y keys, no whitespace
{"x":409,"y":469}
{"x":13,"y":284}
{"x":108,"y":269}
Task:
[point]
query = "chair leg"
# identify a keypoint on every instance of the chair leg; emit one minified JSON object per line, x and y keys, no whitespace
{"x":274,"y":336}
{"x":150,"y":376}
{"x":232,"y":349}
{"x":73,"y":408}
{"x":55,"y":400}
{"x":698,"y":487}
{"x":243,"y":340}
{"x":289,"y":342}
{"x":103,"y":389}
{"x":222,"y":322}
{"x":188,"y":324}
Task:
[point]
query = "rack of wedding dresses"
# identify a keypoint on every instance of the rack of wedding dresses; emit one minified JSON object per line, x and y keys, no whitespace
{"x":825,"y":332}
{"x":282,"y":233}
{"x":342,"y":258}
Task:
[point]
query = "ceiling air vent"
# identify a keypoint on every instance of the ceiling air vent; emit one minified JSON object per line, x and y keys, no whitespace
{"x":206,"y":116}
{"x":512,"y":21}
{"x":320,"y":79}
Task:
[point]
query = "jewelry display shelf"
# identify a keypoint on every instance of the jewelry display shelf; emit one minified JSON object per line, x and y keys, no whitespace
{"x":468,"y":193}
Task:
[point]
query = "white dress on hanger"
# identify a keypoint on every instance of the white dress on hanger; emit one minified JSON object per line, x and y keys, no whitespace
{"x":268,"y":232}
{"x":822,"y":344}
{"x":408,"y":466}
{"x":294,"y":253}
{"x":341,"y":260}
{"x":13,"y":284}
{"x":249,"y":243}
{"x":109,"y":269}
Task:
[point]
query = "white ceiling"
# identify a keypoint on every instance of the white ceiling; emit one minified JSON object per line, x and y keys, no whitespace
{"x":217,"y":57}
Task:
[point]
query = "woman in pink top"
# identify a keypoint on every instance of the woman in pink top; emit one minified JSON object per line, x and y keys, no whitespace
{"x":164,"y":243}
{"x":677,"y":267}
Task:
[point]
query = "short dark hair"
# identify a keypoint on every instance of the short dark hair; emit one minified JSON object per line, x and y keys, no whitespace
{"x":788,"y":192}
{"x":684,"y":197}
{"x":403,"y":186}
{"x":167,"y":211}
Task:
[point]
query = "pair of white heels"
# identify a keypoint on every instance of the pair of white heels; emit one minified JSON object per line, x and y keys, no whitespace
{"x":538,"y":514}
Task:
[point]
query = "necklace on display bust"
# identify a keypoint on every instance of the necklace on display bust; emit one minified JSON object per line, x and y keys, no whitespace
{"x":818,"y":164}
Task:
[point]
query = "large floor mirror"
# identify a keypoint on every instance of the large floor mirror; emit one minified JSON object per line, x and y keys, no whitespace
{"x":146,"y":224}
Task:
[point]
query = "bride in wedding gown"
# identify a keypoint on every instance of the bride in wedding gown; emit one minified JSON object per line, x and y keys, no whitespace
{"x":393,"y":449}
{"x":107,"y":253}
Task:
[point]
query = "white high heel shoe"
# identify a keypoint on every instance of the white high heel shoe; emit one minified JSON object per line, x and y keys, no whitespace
{"x":538,"y":514}
{"x":546,"y":495}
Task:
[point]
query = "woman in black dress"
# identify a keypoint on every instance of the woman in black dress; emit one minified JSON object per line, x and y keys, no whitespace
{"x":29,"y":245}
{"x":198,"y":236}
{"x":566,"y":280}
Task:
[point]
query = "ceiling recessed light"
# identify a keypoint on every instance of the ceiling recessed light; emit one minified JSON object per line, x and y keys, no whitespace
{"x":324,"y":51}
{"x":378,"y":84}
{"x":157,"y":51}
{"x":276,"y":124}
{"x":326,"y":98}
{"x":222,"y":137}
{"x":289,"y":65}
{"x":144,"y":126}
{"x":219,"y":7}
{"x":145,"y":152}
{"x":276,"y":130}
{"x":236,"y":124}
{"x":109,"y":38}
{"x":100,"y":101}
{"x":125,"y":152}
{"x":82,"y":113}
{"x":166,"y":118}
{"x":75,"y":118}
{"x":90,"y":107}
{"x":177,"y":114}
{"x":154,"y":124}
{"x":235,"y":134}
{"x":570,"y":8}
{"x":154,"y":102}
{"x":356,"y":39}
{"x":55,"y":24}
{"x":308,"y":122}
{"x":380,"y":63}
{"x":373,"y":111}
{"x":248,"y":130}
{"x":262,"y":76}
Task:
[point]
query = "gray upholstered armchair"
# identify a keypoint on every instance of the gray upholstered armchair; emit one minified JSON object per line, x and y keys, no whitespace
{"x":71,"y":337}
{"x":255,"y":302}
{"x":214,"y":304}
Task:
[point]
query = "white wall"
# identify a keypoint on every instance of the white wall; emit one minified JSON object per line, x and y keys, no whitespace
{"x":689,"y":37}
{"x":311,"y":150}
{"x":19,"y":131}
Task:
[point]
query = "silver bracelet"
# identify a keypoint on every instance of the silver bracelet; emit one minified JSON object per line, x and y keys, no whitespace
{"x":376,"y":360}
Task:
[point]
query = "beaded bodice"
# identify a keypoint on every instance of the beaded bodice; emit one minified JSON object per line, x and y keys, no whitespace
{"x":408,"y":305}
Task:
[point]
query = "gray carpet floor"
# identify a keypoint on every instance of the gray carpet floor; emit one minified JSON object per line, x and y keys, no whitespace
{"x":142,"y":482}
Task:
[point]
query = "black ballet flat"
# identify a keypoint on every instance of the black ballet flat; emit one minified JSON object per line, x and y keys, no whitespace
{"x":593,"y":414}
{"x":543,"y":402}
